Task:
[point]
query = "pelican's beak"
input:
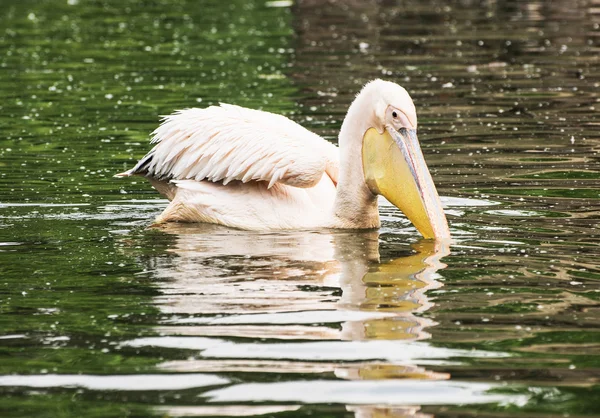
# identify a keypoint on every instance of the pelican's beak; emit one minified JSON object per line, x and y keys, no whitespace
{"x":395,"y":168}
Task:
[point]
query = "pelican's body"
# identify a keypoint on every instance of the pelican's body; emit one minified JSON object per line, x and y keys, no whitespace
{"x":253,"y":205}
{"x":256,"y":170}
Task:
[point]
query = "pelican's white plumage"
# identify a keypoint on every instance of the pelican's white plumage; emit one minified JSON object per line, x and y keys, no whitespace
{"x":225,"y":143}
{"x":251,"y":169}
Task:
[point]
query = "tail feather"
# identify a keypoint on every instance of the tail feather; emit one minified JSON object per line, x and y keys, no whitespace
{"x":124,"y":174}
{"x":141,"y":168}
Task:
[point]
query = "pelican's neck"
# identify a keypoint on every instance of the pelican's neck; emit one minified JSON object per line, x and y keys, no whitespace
{"x":355,"y":205}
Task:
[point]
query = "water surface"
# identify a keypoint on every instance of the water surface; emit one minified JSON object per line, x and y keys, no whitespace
{"x":102,"y":316}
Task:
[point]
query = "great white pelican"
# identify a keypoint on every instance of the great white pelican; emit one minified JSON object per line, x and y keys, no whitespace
{"x":256,"y":170}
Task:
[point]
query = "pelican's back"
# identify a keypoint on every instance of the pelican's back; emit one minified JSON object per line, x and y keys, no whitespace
{"x":240,"y":167}
{"x":225,"y":143}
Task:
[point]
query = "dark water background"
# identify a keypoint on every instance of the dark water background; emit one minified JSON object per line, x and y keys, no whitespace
{"x":102,"y":317}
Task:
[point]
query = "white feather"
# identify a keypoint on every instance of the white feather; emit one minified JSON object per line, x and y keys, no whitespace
{"x":227,"y":142}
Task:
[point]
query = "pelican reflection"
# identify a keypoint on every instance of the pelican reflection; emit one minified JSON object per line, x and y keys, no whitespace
{"x":318,"y":302}
{"x":296,"y":284}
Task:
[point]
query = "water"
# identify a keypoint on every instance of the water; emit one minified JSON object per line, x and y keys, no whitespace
{"x":101,"y":316}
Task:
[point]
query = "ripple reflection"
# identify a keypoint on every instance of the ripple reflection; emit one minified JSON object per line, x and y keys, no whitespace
{"x":306,"y":309}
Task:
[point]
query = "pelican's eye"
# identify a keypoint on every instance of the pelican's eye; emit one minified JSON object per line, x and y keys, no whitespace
{"x":397,"y":119}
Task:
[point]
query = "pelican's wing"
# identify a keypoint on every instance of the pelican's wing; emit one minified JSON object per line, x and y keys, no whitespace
{"x":227,"y":142}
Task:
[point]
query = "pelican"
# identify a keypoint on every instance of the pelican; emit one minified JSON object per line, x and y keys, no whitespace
{"x":255,"y":170}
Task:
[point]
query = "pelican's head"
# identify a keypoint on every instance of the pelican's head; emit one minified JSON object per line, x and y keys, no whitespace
{"x":393,"y":163}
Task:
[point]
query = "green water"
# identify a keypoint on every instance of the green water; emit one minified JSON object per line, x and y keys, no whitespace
{"x":102,"y":317}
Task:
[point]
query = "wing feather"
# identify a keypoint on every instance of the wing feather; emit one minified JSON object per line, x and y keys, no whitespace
{"x":227,"y":142}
